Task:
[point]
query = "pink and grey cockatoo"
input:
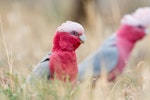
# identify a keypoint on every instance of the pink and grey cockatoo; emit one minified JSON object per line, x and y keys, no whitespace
{"x":61,"y":62}
{"x":115,"y":51}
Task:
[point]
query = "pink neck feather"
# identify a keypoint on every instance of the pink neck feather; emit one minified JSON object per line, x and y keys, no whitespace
{"x":127,"y":36}
{"x":63,"y":63}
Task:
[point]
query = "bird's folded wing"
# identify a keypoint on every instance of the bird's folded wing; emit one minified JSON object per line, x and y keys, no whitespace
{"x":106,"y":59}
{"x":41,"y":71}
{"x":106,"y":56}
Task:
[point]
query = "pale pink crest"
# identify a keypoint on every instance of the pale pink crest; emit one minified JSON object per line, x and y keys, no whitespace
{"x":140,"y":17}
{"x":70,"y":26}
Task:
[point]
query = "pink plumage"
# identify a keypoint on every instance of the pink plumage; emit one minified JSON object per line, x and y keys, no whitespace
{"x":61,"y":62}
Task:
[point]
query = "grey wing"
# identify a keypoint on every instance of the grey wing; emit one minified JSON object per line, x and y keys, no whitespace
{"x":41,"y":71}
{"x":106,"y":56}
{"x":85,"y":67}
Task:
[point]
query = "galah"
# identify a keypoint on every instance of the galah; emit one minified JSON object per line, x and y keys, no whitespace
{"x":61,"y":62}
{"x":113,"y":54}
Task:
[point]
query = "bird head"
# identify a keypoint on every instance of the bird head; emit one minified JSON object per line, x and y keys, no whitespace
{"x":68,"y":36}
{"x":136,"y":25}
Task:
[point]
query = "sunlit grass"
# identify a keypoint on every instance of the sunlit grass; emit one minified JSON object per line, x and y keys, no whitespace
{"x":132,"y":85}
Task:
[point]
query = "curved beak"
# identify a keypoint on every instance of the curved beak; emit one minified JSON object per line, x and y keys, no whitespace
{"x":82,"y":38}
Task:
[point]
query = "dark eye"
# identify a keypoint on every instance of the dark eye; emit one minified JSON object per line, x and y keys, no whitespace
{"x":140,"y":26}
{"x":74,"y":33}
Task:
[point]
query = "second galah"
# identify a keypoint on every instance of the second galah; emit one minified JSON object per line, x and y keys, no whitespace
{"x":113,"y":55}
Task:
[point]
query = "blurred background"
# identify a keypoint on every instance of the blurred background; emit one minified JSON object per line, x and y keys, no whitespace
{"x":27,"y":28}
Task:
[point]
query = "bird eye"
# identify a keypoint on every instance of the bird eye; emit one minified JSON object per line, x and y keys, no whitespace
{"x":75,"y":33}
{"x":140,"y":26}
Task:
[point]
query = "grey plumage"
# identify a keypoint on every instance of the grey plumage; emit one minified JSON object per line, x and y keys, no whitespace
{"x":106,"y":56}
{"x":41,"y":71}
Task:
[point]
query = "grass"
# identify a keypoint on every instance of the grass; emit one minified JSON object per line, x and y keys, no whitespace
{"x":127,"y":87}
{"x":25,"y":38}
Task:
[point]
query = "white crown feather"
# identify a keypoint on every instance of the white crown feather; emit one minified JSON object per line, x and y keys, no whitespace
{"x":69,"y":26}
{"x":140,"y":17}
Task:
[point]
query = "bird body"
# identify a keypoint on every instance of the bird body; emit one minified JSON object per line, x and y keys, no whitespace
{"x":115,"y":51}
{"x":61,"y":62}
{"x":125,"y":42}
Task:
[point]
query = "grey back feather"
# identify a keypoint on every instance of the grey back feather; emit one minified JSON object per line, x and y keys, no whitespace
{"x":106,"y":56}
{"x":41,"y":71}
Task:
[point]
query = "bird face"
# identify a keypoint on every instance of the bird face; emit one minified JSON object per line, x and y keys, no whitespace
{"x":69,"y":36}
{"x":71,"y":41}
{"x":137,"y":32}
{"x":137,"y":23}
